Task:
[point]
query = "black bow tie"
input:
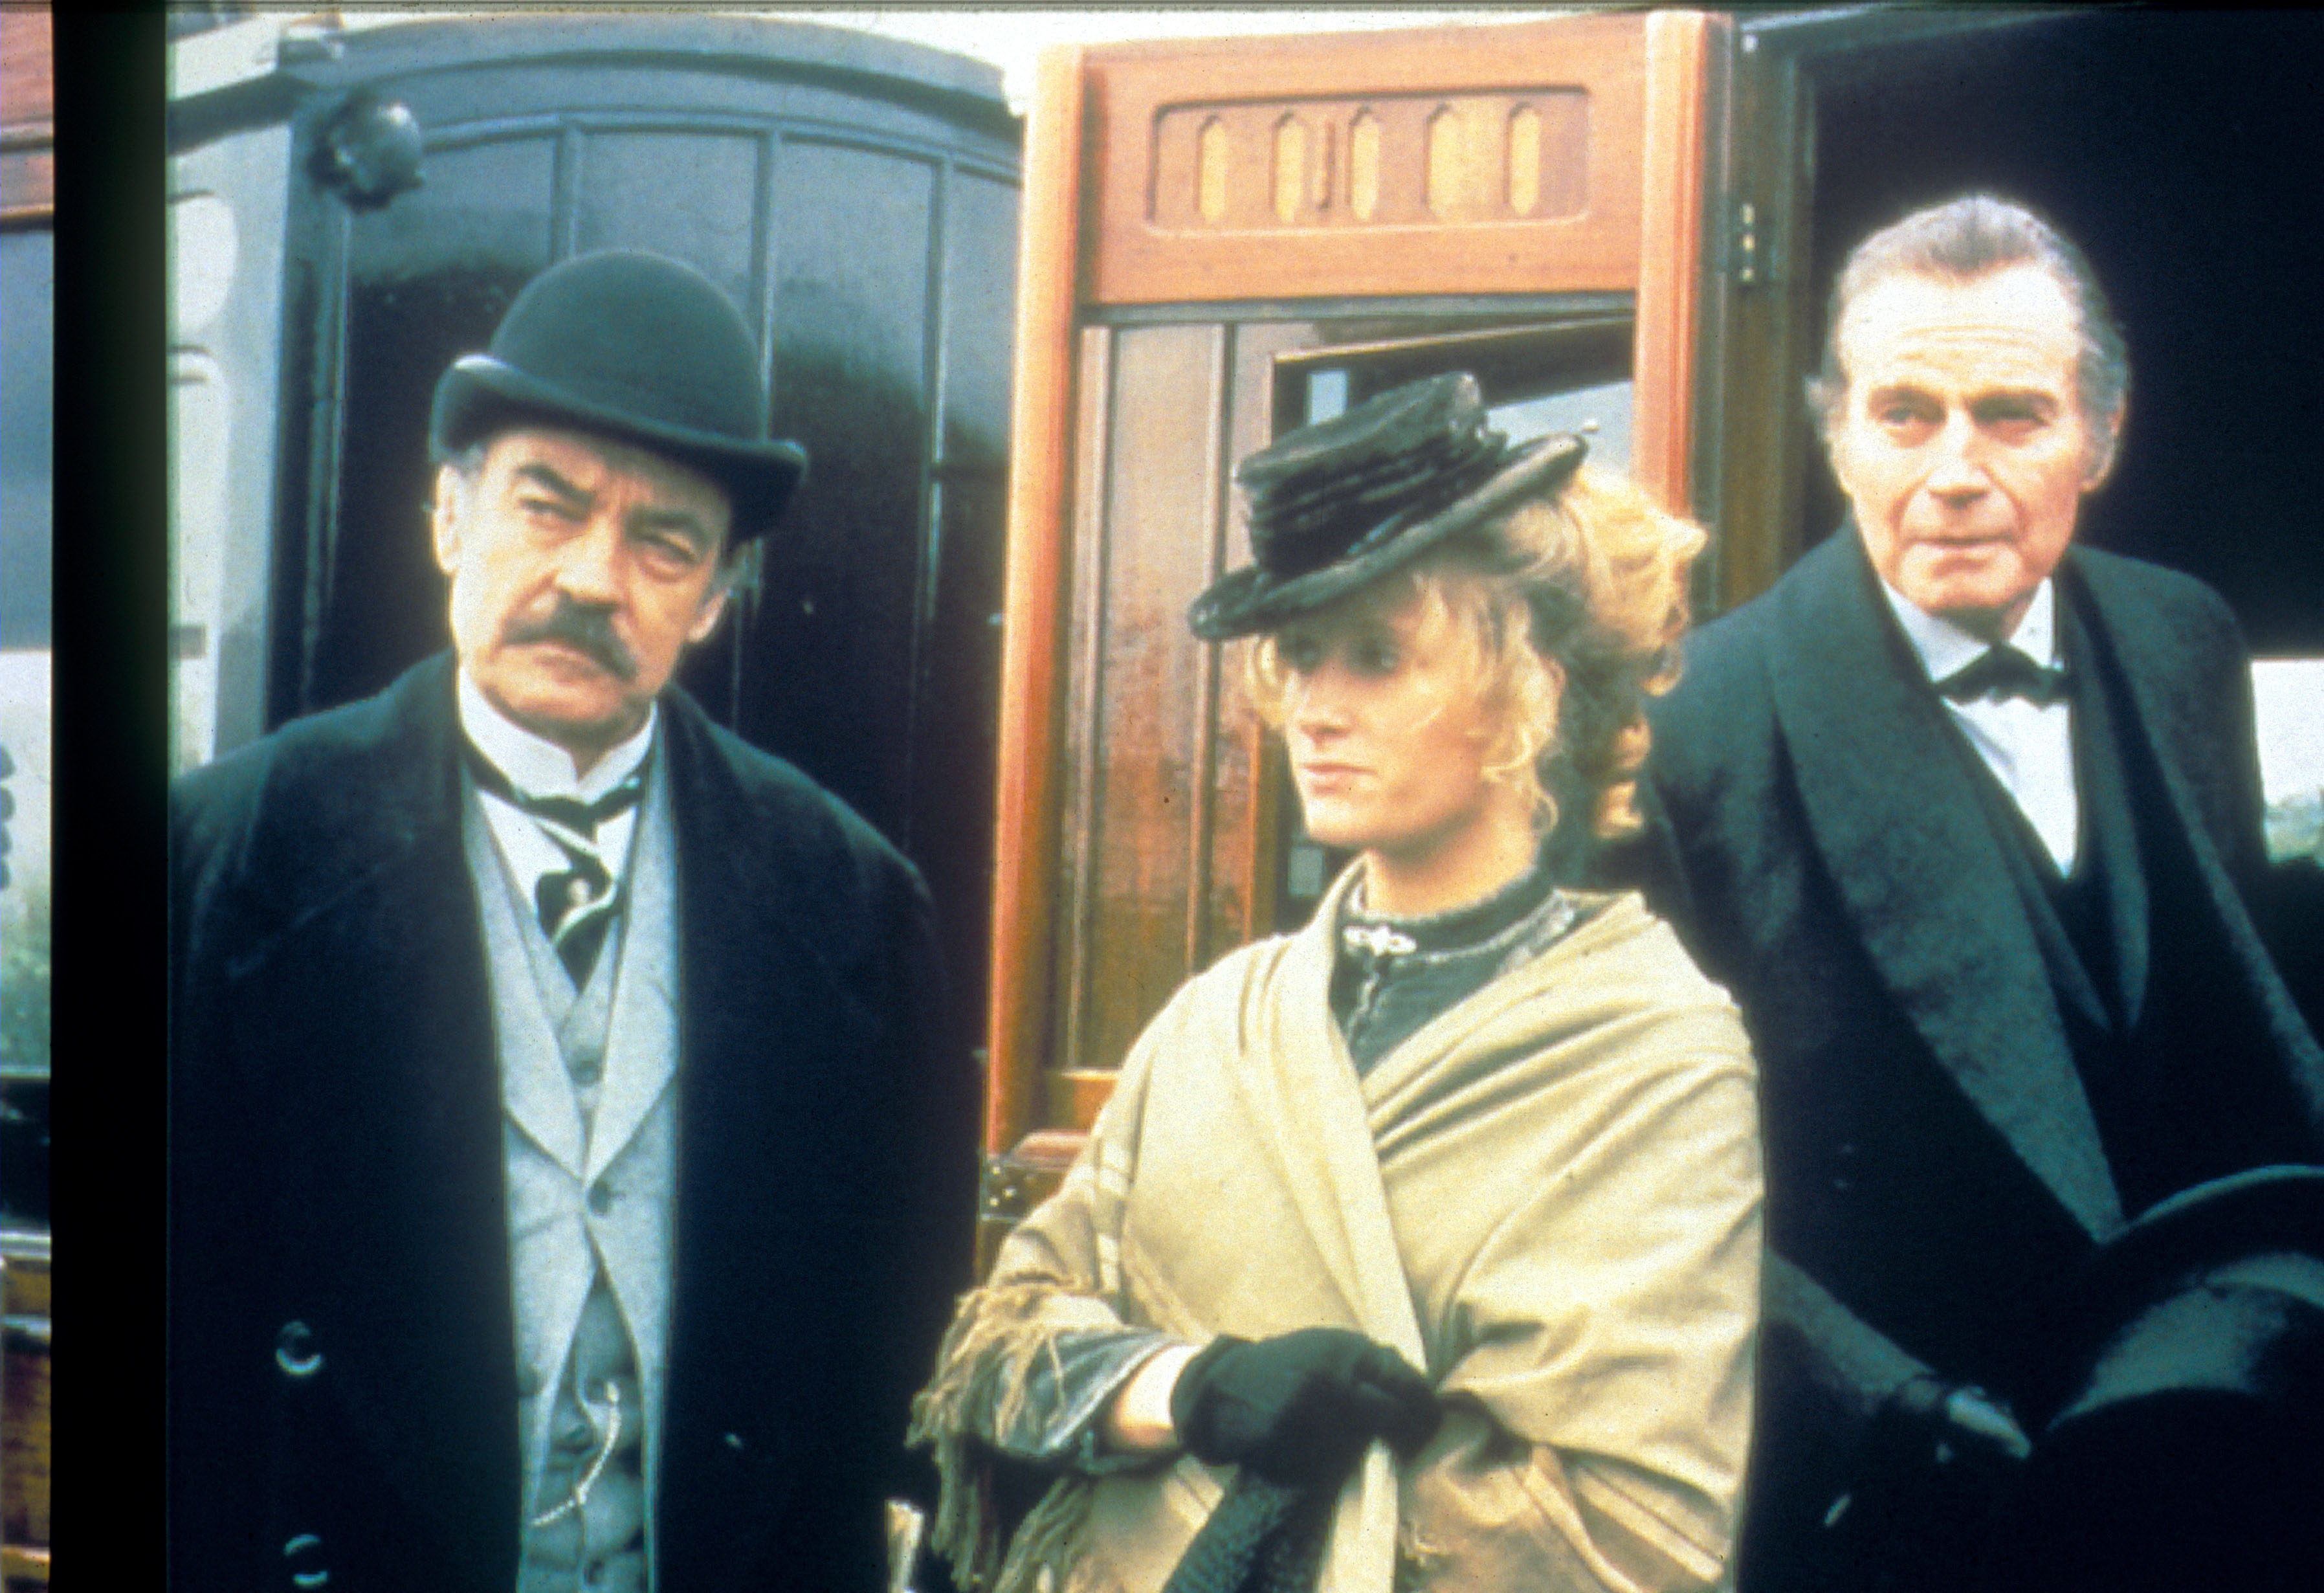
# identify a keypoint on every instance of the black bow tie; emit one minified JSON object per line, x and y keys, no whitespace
{"x":2003,"y":672}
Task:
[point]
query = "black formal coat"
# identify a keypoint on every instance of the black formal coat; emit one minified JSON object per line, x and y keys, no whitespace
{"x":1934,"y":1166}
{"x":336,"y":1174}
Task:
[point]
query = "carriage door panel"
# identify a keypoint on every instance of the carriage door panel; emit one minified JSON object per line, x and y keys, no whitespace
{"x":1225,"y":240}
{"x":857,"y":198}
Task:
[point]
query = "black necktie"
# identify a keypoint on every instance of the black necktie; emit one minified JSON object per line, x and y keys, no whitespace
{"x":577,"y":904}
{"x":2003,"y":672}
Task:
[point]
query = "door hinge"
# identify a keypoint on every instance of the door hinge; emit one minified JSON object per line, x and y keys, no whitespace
{"x":1744,"y":254}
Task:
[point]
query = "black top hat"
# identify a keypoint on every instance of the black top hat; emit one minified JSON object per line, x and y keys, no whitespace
{"x":2180,"y":1425}
{"x":1337,"y":504}
{"x":2249,"y":1248}
{"x":642,"y":349}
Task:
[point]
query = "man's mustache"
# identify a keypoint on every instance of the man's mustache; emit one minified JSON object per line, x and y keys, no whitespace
{"x":589,"y":631}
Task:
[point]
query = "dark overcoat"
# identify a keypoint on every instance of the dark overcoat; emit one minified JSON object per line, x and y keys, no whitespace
{"x":1933,"y":1163}
{"x":342,"y":1370}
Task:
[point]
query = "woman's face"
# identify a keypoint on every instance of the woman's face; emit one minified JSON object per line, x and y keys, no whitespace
{"x":1389,"y":735}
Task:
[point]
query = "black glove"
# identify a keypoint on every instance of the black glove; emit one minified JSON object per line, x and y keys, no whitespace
{"x":1937,"y":1464}
{"x":1299,"y":1408}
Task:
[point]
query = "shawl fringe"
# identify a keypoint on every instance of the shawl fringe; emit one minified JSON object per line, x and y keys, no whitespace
{"x":985,"y":1365}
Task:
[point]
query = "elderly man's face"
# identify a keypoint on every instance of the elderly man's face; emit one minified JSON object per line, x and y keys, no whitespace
{"x":581,"y":568}
{"x":1960,"y":441}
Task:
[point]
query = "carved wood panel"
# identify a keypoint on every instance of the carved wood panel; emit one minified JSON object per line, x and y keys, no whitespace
{"x":1387,"y":161}
{"x":1472,"y":161}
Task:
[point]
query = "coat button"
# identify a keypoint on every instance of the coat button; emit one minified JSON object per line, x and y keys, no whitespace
{"x":305,"y":1555}
{"x":295,"y":1350}
{"x":601,"y":1197}
{"x":527,"y":1383}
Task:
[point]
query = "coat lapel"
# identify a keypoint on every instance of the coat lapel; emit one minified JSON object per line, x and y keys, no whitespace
{"x":1893,"y":812}
{"x":2155,"y":725}
{"x":2146,"y":731}
{"x":392,"y":1147}
{"x":758,"y":1011}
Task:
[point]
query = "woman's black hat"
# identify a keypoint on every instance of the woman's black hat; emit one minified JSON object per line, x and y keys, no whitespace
{"x":642,"y":349}
{"x":1337,"y":504}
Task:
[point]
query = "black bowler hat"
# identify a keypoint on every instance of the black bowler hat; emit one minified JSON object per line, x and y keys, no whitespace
{"x":2179,"y":1422}
{"x":1337,"y":504}
{"x":642,"y":349}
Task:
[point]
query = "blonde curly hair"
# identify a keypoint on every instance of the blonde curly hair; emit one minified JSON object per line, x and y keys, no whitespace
{"x":1574,"y":606}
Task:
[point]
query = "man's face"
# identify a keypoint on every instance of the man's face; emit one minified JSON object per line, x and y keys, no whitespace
{"x":581,"y":568}
{"x":1961,"y":440}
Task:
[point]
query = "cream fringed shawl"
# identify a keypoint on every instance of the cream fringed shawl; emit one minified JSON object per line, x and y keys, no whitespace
{"x":1547,"y":1198}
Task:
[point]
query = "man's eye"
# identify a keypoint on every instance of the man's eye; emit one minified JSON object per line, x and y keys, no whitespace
{"x":2016,"y":422}
{"x":1377,"y":658}
{"x":1300,"y":654}
{"x":547,"y":509}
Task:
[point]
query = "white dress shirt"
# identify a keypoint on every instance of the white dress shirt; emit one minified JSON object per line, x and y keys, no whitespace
{"x":542,"y":768}
{"x":2028,"y":746}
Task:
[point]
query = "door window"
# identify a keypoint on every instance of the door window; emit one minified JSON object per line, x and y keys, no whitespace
{"x":27,"y":289}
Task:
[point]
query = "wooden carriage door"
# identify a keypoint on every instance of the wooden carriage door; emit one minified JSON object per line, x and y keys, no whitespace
{"x":1222,"y":239}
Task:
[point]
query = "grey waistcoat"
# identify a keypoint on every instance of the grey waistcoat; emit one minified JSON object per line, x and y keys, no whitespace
{"x":567,"y":1139}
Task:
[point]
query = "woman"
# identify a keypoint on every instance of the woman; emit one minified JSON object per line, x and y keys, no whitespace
{"x":1419,"y":1248}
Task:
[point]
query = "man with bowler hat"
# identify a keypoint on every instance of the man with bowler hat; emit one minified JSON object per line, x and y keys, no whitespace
{"x":565,"y":1191}
{"x":1965,"y":815}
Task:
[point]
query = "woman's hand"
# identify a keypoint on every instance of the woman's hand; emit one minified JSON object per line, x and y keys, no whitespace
{"x":1301,"y":1407}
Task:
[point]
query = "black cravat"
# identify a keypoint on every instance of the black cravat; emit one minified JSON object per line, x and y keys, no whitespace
{"x":2003,"y":672}
{"x":577,"y":904}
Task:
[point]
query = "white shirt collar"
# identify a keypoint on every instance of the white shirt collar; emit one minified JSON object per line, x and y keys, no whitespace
{"x":539,"y":767}
{"x":1945,"y":649}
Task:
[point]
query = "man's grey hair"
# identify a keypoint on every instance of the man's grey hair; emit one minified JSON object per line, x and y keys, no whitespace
{"x":1963,"y":240}
{"x":740,"y":564}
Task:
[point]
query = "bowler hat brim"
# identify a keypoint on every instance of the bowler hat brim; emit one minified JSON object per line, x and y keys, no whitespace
{"x":480,"y":394}
{"x":1250,"y":600}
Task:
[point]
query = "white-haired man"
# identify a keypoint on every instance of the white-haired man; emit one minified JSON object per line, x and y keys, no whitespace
{"x":1963,"y":815}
